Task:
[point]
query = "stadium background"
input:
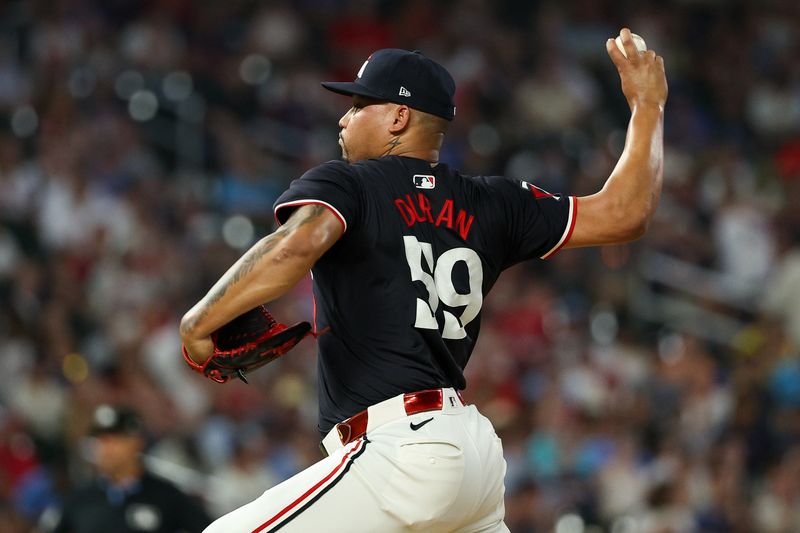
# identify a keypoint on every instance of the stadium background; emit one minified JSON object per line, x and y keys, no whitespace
{"x":647,"y":387}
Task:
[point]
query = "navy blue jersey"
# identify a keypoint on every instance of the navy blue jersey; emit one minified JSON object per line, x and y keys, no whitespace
{"x":402,"y":289}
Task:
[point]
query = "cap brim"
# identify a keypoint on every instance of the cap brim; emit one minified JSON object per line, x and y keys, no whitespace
{"x":349,"y":88}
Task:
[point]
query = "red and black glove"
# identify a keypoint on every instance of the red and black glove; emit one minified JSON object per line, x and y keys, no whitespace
{"x":247,"y":342}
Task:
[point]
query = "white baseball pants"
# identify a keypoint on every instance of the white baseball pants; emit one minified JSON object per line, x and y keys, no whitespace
{"x":446,"y":475}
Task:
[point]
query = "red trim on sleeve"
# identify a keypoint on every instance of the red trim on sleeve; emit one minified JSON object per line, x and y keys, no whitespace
{"x":568,"y":235}
{"x":298,"y":203}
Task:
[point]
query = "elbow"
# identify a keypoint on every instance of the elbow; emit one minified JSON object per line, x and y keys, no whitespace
{"x":637,"y":230}
{"x":639,"y":223}
{"x":187,"y":326}
{"x":631,"y":225}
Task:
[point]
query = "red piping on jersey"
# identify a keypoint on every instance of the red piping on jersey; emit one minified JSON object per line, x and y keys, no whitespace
{"x":298,"y":203}
{"x":314,"y":315}
{"x":315,"y":332}
{"x":569,"y":231}
{"x":310,"y":491}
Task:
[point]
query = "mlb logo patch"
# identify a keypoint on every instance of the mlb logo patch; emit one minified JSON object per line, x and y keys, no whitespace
{"x":424,"y":181}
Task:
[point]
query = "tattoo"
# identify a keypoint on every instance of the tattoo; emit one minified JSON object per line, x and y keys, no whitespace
{"x":245,"y":266}
{"x":394,"y":143}
{"x":187,"y":327}
{"x":250,"y":259}
{"x":301,"y":217}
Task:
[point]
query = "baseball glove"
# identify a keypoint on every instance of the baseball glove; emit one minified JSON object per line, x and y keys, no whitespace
{"x":247,"y":342}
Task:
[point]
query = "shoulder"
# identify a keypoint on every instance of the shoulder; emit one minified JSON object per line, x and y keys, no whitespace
{"x":389,"y":165}
{"x":83,"y":493}
{"x":503,"y":183}
{"x":356,"y":173}
{"x":335,"y":174}
{"x":166,"y":488}
{"x":369,"y":168}
{"x":167,"y":495}
{"x":157,"y":483}
{"x":506,"y":188}
{"x":329,"y":168}
{"x":83,"y":498}
{"x":477,"y":181}
{"x":489,"y":188}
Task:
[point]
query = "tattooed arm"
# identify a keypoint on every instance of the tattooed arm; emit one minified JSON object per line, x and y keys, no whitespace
{"x":265,"y":272}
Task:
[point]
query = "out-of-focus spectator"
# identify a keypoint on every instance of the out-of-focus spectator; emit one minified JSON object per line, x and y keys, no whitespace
{"x":244,"y":477}
{"x":40,"y":401}
{"x":777,"y":501}
{"x":781,"y":297}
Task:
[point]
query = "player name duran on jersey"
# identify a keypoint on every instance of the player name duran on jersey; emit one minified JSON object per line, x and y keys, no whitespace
{"x":419,"y":209}
{"x":424,"y":181}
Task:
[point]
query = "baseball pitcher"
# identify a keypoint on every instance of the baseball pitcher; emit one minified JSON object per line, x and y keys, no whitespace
{"x":403,"y":250}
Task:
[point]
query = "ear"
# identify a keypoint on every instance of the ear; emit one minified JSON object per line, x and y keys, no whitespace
{"x":401,"y":118}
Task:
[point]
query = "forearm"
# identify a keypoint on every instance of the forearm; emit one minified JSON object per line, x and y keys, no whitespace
{"x":266,"y":272}
{"x":621,"y":211}
{"x":634,"y":187}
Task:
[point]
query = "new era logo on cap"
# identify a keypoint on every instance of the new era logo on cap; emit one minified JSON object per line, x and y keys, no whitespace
{"x":404,"y":92}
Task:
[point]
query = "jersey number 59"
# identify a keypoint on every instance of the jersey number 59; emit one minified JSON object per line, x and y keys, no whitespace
{"x":440,"y":287}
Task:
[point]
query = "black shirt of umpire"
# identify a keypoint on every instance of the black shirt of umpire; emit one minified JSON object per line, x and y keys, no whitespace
{"x":146,"y":503}
{"x":153,"y":505}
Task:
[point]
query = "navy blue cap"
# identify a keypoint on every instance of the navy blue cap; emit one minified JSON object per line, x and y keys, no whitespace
{"x":403,"y":77}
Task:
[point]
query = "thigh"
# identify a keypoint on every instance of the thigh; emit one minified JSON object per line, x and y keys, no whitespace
{"x":445,"y":475}
{"x":420,"y":483}
{"x":328,"y":496}
{"x":438,"y":472}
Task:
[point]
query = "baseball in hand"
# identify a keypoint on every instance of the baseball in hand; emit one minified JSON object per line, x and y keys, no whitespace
{"x":637,"y":41}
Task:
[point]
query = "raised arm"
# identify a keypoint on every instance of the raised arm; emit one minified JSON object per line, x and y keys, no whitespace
{"x":265,"y":272}
{"x":622,"y":209}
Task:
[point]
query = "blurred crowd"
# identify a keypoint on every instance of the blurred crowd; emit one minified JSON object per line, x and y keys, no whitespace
{"x":652,"y":387}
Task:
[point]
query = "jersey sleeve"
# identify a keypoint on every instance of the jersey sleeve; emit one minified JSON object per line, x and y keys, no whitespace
{"x":539,"y":223}
{"x":331,"y":184}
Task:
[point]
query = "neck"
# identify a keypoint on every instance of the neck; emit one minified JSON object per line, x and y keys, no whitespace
{"x":431,"y":156}
{"x":407,"y":147}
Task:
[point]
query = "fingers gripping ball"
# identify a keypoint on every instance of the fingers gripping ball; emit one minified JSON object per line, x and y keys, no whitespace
{"x":638,"y":42}
{"x":246,"y":343}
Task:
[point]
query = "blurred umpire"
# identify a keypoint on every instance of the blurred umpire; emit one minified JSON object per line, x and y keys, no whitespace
{"x":124,"y":497}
